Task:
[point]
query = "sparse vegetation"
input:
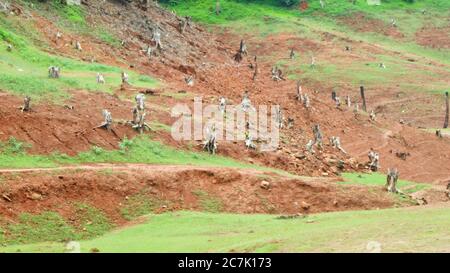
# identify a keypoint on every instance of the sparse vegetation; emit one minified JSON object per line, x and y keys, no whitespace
{"x":49,"y":226}
{"x":207,"y":202}
{"x":140,"y":204}
{"x":138,"y":150}
{"x":91,"y":221}
{"x":24,"y":70}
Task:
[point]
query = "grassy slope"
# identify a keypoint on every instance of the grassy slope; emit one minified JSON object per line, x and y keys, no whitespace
{"x":266,"y":17}
{"x":50,"y":226}
{"x":141,"y":149}
{"x":397,"y":230}
{"x":24,"y":70}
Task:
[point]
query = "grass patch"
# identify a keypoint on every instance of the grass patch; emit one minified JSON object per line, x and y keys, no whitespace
{"x":379,"y":180}
{"x":140,"y":149}
{"x":13,"y":154}
{"x":46,"y":226}
{"x":348,"y":231}
{"x":140,"y":204}
{"x":49,"y":226}
{"x":24,"y":70}
{"x":92,"y":221}
{"x":232,"y":10}
{"x":208,"y":203}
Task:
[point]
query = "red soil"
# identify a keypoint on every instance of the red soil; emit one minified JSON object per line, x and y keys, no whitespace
{"x":434,"y":37}
{"x":236,"y":190}
{"x":362,"y":23}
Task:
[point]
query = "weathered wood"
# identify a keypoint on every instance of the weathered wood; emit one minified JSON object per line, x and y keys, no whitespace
{"x":391,"y":180}
{"x":292,"y":54}
{"x":125,"y":78}
{"x":318,"y":137}
{"x":107,"y":123}
{"x":210,"y":144}
{"x":54,"y":72}
{"x":446,"y":110}
{"x":218,"y":9}
{"x":374,"y":160}
{"x":363,"y":97}
{"x":26,"y":104}
{"x":100,"y":79}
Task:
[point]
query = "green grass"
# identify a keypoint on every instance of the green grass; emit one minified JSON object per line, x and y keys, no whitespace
{"x":379,"y":180}
{"x":24,"y":70}
{"x":232,"y":10}
{"x":47,"y":226}
{"x":351,"y":231}
{"x":13,"y":154}
{"x":140,"y":204}
{"x":208,"y":203}
{"x":92,"y":221}
{"x":50,"y":226}
{"x":141,"y":149}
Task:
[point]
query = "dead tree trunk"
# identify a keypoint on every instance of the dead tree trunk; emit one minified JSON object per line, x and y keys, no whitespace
{"x":26,"y":104}
{"x":255,"y":73}
{"x":241,"y":52}
{"x":391,"y":180}
{"x":218,"y":10}
{"x":446,"y":111}
{"x":333,"y":95}
{"x":299,"y":94}
{"x":141,"y":125}
{"x":363,"y":97}
{"x":182,"y":25}
{"x":210,"y":144}
{"x":107,"y":123}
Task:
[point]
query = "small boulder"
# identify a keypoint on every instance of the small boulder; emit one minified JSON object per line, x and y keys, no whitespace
{"x":35,"y":196}
{"x":265,"y":185}
{"x":305,"y":205}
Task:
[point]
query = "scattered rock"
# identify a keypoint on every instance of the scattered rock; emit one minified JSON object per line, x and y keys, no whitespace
{"x":305,"y":205}
{"x":35,"y":196}
{"x":265,"y":185}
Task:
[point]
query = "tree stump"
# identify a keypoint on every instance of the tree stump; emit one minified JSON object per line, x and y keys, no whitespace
{"x":363,"y":97}
{"x":107,"y":123}
{"x":391,"y":180}
{"x":26,"y":104}
{"x":446,"y":111}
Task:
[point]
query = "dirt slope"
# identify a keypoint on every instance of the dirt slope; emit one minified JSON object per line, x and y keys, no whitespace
{"x":197,"y":52}
{"x":108,"y":187}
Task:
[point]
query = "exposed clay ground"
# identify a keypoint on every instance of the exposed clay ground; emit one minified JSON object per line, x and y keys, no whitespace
{"x":434,"y":37}
{"x":177,"y":187}
{"x":361,"y":23}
